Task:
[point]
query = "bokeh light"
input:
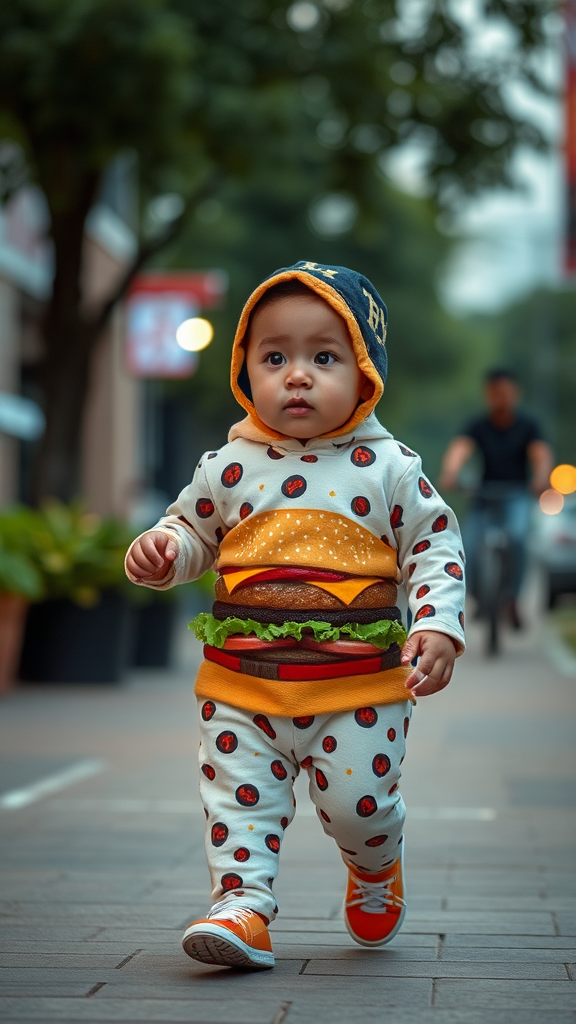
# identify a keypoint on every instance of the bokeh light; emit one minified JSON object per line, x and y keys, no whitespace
{"x":195,"y":334}
{"x":563,"y":478}
{"x":551,"y":502}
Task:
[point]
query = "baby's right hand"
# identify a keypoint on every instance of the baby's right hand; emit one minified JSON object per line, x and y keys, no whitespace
{"x":151,"y":556}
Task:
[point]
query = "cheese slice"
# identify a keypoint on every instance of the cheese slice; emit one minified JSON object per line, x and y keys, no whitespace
{"x":344,"y":590}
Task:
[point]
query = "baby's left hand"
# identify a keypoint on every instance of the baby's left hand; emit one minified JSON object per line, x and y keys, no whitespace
{"x":437,"y":655}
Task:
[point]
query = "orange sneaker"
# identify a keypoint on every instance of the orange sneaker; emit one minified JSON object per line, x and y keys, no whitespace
{"x":374,"y":906}
{"x":230,"y":936}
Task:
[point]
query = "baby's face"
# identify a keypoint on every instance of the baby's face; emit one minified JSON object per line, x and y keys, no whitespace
{"x":303,"y":372}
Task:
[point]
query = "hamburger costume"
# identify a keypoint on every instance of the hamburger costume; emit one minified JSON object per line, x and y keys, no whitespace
{"x":302,"y":646}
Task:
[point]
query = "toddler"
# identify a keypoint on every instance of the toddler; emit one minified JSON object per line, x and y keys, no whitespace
{"x":312,"y":515}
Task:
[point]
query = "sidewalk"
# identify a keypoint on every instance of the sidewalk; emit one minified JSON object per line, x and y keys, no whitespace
{"x":100,"y":877}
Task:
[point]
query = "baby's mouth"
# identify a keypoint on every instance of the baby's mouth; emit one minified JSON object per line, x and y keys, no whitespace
{"x":298,"y":406}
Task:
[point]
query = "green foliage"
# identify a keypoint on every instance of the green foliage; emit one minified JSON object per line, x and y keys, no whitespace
{"x":213,"y":631}
{"x":218,"y":85}
{"x":61,"y":551}
{"x":18,"y":574}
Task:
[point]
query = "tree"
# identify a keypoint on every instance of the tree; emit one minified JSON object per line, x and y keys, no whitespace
{"x":218,"y":90}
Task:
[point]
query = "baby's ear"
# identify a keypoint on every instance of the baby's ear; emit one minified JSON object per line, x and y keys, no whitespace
{"x":367,"y":389}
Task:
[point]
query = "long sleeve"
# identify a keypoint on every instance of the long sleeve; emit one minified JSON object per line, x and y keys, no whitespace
{"x":430,"y":555}
{"x":193,"y":520}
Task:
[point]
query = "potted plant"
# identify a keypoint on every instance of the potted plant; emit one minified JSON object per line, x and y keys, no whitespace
{"x":20,"y":583}
{"x":80,"y":631}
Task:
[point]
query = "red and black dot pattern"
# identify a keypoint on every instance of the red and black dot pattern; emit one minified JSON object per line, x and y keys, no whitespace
{"x":421,"y":546}
{"x":396,"y":520}
{"x":263,"y":723}
{"x":246,"y":509}
{"x":247,"y":795}
{"x":366,"y":717}
{"x":376,"y":840}
{"x":231,"y":881}
{"x":381,"y":765}
{"x":309,"y":458}
{"x":454,"y":570}
{"x":440,"y":523}
{"x":232,"y":474}
{"x":208,"y":710}
{"x":273,"y":453}
{"x":227,"y":742}
{"x":360,"y":506}
{"x":218,"y":833}
{"x":427,"y":611}
{"x":204,"y":508}
{"x":294,"y":486}
{"x":366,"y":807}
{"x":422,"y":591}
{"x":363,"y":456}
{"x":425,"y":488}
{"x":304,"y":721}
{"x":353,"y":759}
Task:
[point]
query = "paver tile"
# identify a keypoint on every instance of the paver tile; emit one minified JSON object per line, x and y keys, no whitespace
{"x":381,"y":967}
{"x":142,"y":1011}
{"x":546,"y":996}
{"x":509,"y":941}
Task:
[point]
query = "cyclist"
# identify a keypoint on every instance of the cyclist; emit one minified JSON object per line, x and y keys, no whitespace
{"x":516,"y":463}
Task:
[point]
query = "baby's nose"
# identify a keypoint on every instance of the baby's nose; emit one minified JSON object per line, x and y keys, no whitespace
{"x":298,"y":377}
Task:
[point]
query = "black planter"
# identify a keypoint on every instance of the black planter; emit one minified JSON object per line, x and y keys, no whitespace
{"x":64,"y":643}
{"x":153,"y":634}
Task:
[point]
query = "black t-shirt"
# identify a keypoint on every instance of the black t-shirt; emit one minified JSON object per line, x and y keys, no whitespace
{"x":505,"y":450}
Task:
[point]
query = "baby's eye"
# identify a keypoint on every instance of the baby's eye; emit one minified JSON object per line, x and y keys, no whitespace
{"x":275,"y":359}
{"x":324,"y":358}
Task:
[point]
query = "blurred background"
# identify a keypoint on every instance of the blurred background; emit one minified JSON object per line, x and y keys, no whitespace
{"x":158,"y":158}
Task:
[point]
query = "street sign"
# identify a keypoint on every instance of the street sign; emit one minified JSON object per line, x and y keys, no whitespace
{"x":158,"y":303}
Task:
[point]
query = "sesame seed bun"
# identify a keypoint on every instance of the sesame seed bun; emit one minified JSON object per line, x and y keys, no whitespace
{"x":307,"y":537}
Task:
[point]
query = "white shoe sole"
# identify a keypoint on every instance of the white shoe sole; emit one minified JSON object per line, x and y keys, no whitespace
{"x":213,"y":944}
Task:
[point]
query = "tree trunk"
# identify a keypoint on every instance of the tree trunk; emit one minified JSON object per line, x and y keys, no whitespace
{"x":70,"y":338}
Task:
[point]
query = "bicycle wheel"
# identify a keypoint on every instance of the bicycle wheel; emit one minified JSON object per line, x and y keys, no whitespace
{"x":490,"y":591}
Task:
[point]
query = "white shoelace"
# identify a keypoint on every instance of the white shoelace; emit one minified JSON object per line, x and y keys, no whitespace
{"x":226,"y":911}
{"x":374,"y":897}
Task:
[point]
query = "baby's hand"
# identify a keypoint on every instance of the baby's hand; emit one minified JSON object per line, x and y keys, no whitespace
{"x":437,"y":656}
{"x":152,"y":555}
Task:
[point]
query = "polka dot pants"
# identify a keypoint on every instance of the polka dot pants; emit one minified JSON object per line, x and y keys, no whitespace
{"x":248,"y":764}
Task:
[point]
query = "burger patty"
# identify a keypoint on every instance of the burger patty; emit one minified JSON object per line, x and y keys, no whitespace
{"x":336,"y":617}
{"x":296,"y":594}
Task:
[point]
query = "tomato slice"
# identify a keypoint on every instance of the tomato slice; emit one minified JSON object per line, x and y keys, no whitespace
{"x":252,"y":643}
{"x":353,"y":647}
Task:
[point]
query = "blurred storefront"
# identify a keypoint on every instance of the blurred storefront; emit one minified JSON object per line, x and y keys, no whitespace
{"x":112,"y":457}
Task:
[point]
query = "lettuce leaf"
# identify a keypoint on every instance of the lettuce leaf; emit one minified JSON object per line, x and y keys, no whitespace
{"x":213,"y":631}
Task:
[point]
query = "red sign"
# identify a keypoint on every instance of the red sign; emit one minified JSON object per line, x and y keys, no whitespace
{"x":158,"y":302}
{"x":570,"y":14}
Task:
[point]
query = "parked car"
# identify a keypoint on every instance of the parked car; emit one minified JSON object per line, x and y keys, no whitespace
{"x":554,"y":547}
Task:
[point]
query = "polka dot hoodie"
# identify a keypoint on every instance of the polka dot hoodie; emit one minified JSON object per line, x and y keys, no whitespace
{"x":363,"y":475}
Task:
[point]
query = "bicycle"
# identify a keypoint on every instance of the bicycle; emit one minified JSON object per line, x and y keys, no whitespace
{"x":494,"y":559}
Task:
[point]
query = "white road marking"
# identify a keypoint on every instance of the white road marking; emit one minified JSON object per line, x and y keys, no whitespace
{"x":451,"y":813}
{"x":18,"y":798}
{"x":128,"y":806}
